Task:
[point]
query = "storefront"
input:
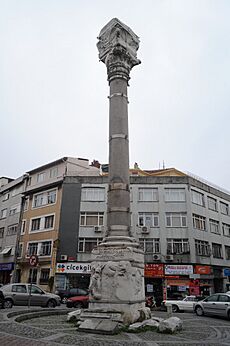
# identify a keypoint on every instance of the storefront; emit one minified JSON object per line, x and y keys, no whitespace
{"x":154,"y":274}
{"x":177,"y":280}
{"x":203,"y":280}
{"x":72,"y":274}
{"x":5,"y":272}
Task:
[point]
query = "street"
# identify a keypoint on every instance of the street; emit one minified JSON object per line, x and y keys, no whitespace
{"x":54,"y":330}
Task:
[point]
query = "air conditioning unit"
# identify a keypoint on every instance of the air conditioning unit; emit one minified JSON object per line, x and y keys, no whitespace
{"x":64,"y":257}
{"x":169,"y":257}
{"x":144,"y":229}
{"x":156,"y":257}
{"x":98,"y":228}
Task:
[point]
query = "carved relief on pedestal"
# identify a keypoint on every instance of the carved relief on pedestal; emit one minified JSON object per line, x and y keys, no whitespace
{"x":118,"y":47}
{"x":118,"y":281}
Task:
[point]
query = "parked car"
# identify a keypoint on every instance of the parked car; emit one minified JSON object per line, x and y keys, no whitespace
{"x":185,"y":304}
{"x":216,"y":304}
{"x":19,"y":294}
{"x":78,"y":302}
{"x":71,"y":292}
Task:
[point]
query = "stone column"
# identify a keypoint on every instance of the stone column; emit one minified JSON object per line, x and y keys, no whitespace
{"x":117,"y":279}
{"x":117,"y":49}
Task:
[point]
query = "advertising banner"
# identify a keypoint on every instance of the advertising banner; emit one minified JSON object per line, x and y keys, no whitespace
{"x":227,"y":272}
{"x":73,"y":268}
{"x":154,"y":270}
{"x":200,"y":269}
{"x":178,"y":269}
{"x":6,"y":266}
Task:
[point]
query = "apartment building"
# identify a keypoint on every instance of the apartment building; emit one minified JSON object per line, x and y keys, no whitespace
{"x":181,"y":222}
{"x":10,"y":208}
{"x":40,"y":218}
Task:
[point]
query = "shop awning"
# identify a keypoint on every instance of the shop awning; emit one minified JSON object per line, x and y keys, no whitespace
{"x":6,"y":250}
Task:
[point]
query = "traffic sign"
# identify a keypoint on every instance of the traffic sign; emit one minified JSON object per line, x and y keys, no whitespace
{"x":33,"y":260}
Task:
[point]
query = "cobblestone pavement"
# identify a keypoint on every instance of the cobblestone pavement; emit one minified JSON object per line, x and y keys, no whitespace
{"x":54,"y":330}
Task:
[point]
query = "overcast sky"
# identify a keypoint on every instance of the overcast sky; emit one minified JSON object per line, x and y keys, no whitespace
{"x":53,"y":89}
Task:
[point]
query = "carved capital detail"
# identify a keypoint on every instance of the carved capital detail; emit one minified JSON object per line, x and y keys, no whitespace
{"x":118,"y":46}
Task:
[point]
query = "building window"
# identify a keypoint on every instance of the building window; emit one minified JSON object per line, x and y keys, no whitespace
{"x":6,"y":196}
{"x":177,"y":246}
{"x":1,"y":232}
{"x":226,"y":229}
{"x":199,"y":222}
{"x":148,"y":194}
{"x":43,"y":223}
{"x":176,"y":219}
{"x":197,"y":197}
{"x":41,"y":177}
{"x":45,"y":248}
{"x":217,"y":250}
{"x":42,"y":248}
{"x":227,"y":252}
{"x":35,"y":224}
{"x":214,"y":226}
{"x":14,"y":209}
{"x":26,"y":204}
{"x":91,"y":219}
{"x":148,"y":219}
{"x":45,"y":198}
{"x":202,"y":248}
{"x":20,"y":249}
{"x":151,"y":245}
{"x":28,"y":181}
{"x":23,"y":227}
{"x":12,"y":229}
{"x":174,"y":195}
{"x":32,"y":249}
{"x":3,"y":213}
{"x":224,"y":209}
{"x":33,"y":276}
{"x":54,"y":172}
{"x":44,"y":276}
{"x":49,"y":221}
{"x":51,"y":196}
{"x":212,"y":203}
{"x":93,"y":194}
{"x":88,"y":244}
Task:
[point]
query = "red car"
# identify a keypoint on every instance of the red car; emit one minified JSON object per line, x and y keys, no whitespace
{"x":78,"y":302}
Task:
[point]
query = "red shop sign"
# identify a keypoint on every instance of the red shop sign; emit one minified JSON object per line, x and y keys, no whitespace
{"x":200,"y":269}
{"x":154,"y":270}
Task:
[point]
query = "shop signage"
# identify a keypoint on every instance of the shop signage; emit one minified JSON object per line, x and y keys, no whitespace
{"x":194,"y":276}
{"x":178,"y":269}
{"x":149,"y":288}
{"x":154,"y":270}
{"x":6,"y":266}
{"x":171,"y":282}
{"x":203,"y":270}
{"x":227,"y":272}
{"x":73,"y":268}
{"x":194,"y":291}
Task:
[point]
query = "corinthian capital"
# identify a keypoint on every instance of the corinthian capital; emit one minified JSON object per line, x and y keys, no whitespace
{"x":118,"y":47}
